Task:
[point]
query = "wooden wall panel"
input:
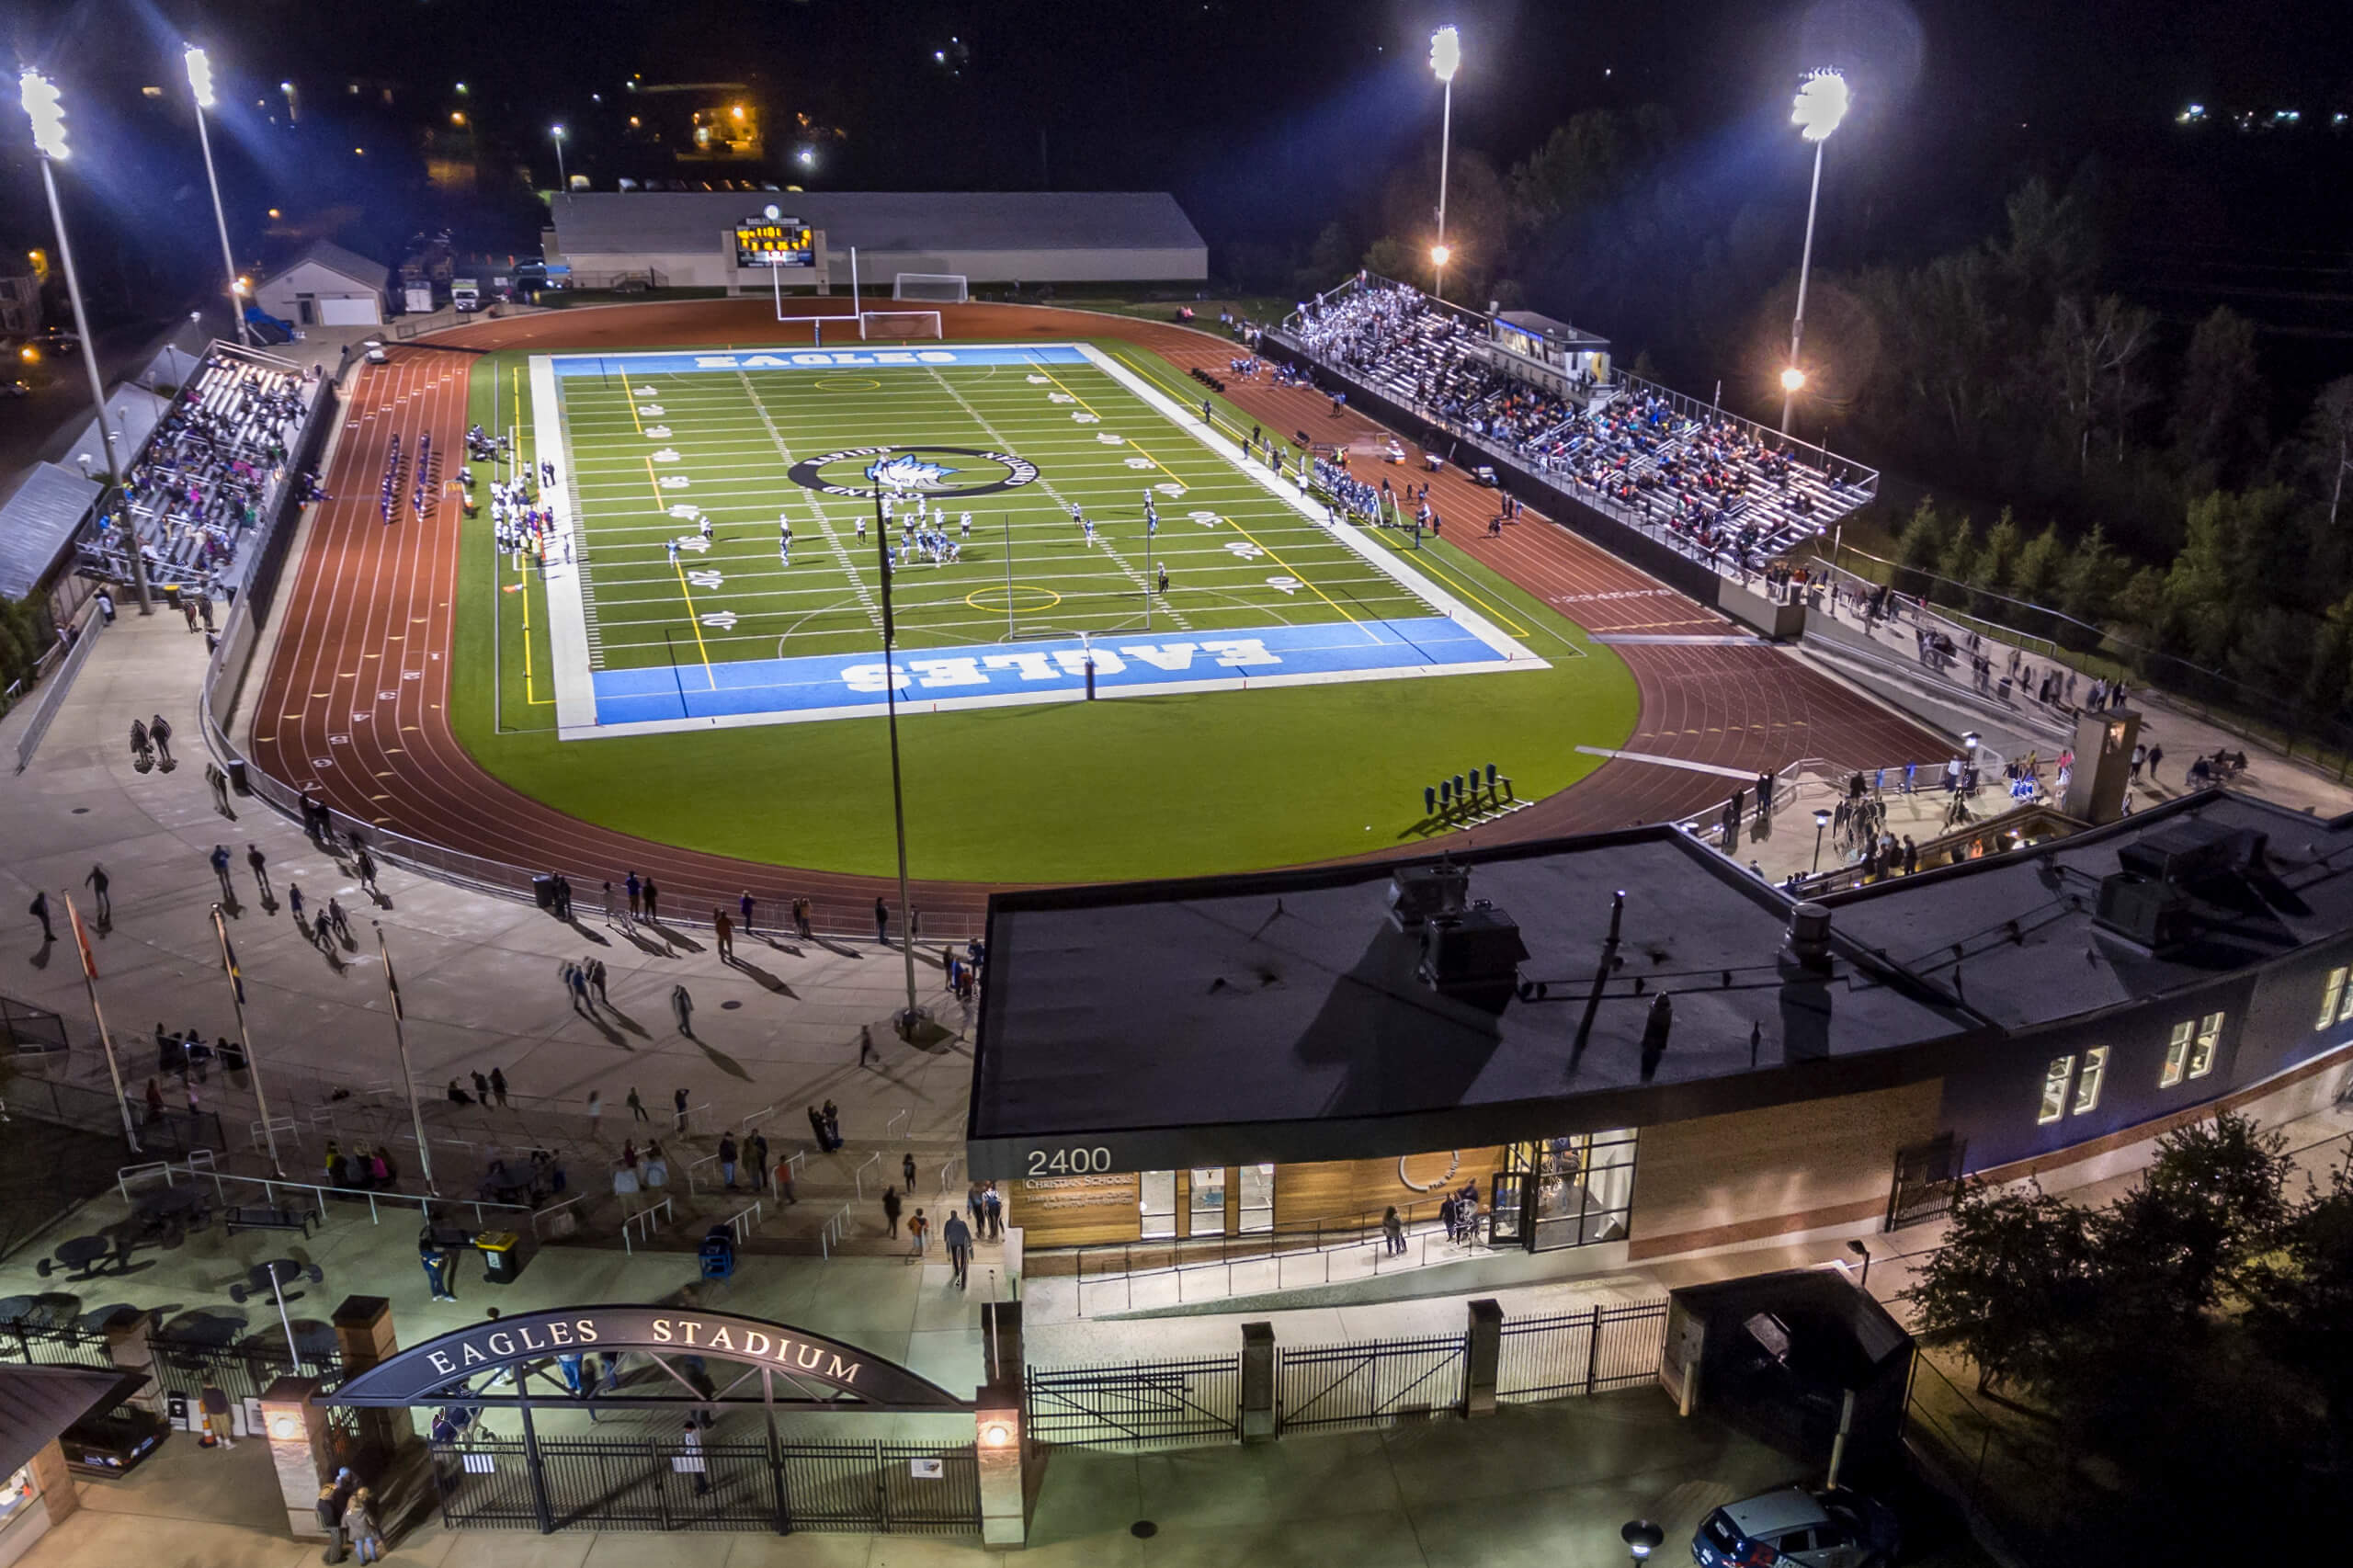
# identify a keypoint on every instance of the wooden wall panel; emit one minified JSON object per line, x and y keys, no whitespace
{"x":1333,"y":1189}
{"x":1062,"y":1211}
{"x":1719,"y":1179}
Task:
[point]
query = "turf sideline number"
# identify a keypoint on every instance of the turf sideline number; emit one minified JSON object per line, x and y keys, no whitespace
{"x":1069,"y":1162}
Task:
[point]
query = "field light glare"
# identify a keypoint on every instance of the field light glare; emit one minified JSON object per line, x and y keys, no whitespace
{"x":46,"y":109}
{"x":1446,"y":54}
{"x":1792,"y":379}
{"x":1442,"y":254}
{"x":199,"y":77}
{"x":1820,"y":104}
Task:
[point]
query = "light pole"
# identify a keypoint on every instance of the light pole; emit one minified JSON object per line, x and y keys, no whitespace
{"x":1445,"y":57}
{"x":562,"y":184}
{"x":910,"y":1021}
{"x":1820,"y":104}
{"x":199,"y":81}
{"x":47,"y":111}
{"x":1821,"y":821}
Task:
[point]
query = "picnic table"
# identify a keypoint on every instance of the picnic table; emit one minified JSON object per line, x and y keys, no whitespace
{"x":84,"y":1254}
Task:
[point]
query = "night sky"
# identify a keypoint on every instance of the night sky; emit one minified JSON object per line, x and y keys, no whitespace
{"x":1267,"y":119}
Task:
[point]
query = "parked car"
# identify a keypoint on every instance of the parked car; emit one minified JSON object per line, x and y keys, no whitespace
{"x":54,"y":342}
{"x":375,"y":350}
{"x":14,"y":388}
{"x":1806,"y":1527}
{"x":114,"y":1443}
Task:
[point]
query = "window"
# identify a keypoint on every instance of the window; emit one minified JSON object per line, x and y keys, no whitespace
{"x":1157,"y":1202}
{"x":1257,"y":1200}
{"x":2088,"y":1082}
{"x":2054,"y":1090}
{"x":1209,"y":1202}
{"x":2201,"y":1054}
{"x":2330,"y":998}
{"x":2176,"y":1054}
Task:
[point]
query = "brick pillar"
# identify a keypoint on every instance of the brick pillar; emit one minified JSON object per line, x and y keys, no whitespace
{"x":1484,"y":1350}
{"x":126,"y":1331}
{"x":1007,"y":1473}
{"x":1257,"y":1381}
{"x":363,"y":1333}
{"x":59,"y":1493}
{"x":300,"y":1451}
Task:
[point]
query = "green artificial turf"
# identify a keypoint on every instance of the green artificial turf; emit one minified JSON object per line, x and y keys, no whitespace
{"x":1134,"y":786}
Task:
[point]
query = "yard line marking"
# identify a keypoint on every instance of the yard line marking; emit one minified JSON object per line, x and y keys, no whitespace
{"x":833,"y":540}
{"x":1300,"y":576}
{"x":695,"y":621}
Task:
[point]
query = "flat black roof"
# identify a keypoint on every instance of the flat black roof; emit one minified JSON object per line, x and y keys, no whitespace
{"x":1279,"y":1015}
{"x":2031,"y":951}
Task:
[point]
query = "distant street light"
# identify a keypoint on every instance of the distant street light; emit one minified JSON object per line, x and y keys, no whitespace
{"x":1642,"y":1537}
{"x":1821,"y":821}
{"x":1820,"y":104}
{"x":46,"y":109}
{"x":562,"y":184}
{"x":1446,"y":58}
{"x":199,"y":81}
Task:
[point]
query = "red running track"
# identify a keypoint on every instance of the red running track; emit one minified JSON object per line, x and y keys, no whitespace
{"x":360,"y":679}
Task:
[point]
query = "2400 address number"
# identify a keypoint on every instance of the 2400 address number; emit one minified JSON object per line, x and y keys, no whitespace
{"x":1069,"y":1162}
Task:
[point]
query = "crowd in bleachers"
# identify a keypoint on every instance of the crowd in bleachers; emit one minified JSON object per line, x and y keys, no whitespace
{"x":204,"y":473}
{"x":1722,"y":488}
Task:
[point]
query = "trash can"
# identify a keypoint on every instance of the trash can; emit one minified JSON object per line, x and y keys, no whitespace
{"x":502,"y":1256}
{"x":544,"y":891}
{"x":237,"y":776}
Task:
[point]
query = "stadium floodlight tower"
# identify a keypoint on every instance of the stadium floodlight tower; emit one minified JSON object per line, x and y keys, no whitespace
{"x":1820,"y":104}
{"x":46,"y":109}
{"x":556,"y":135}
{"x":199,"y":81}
{"x":1446,"y":58}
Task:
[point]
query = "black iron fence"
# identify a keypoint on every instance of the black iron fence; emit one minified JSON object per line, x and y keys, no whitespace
{"x":163,"y":1133}
{"x":179,"y":1363}
{"x":1374,"y":1383}
{"x":1138,"y":1404}
{"x":1580,"y":1353}
{"x":28,"y":1344}
{"x":662,"y":1484}
{"x":25,"y":1028}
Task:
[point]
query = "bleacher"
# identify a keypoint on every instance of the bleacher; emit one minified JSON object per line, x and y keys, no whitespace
{"x":205,"y":473}
{"x":1721,"y":488}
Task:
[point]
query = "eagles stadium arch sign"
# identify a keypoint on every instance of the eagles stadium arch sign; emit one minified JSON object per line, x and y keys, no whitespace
{"x":445,"y":1370}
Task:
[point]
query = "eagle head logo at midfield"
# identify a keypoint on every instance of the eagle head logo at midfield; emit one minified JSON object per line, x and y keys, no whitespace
{"x":907,"y":472}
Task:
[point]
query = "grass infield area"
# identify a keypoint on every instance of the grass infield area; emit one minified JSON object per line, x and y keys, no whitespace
{"x":1284,"y":698}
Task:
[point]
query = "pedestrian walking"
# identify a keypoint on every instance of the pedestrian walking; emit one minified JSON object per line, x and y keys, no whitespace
{"x":159,"y":730}
{"x":575,"y":976}
{"x":1392,"y":1226}
{"x":596,"y":967}
{"x":636,"y":891}
{"x":105,"y":606}
{"x":220,"y":861}
{"x":756,"y":1159}
{"x":801,"y":908}
{"x":783,"y":1174}
{"x":481,"y":1089}
{"x":294,"y":902}
{"x":817,"y":1130}
{"x":994,"y":1208}
{"x":637,"y":1106}
{"x":726,"y":929}
{"x":97,"y":882}
{"x":917,"y":1228}
{"x":866,"y":1052}
{"x":683,"y":1005}
{"x":498,"y":1086}
{"x":652,"y":894}
{"x":833,"y":1123}
{"x":597,"y":1111}
{"x":679,"y":1100}
{"x":958,"y":1238}
{"x":260,"y":864}
{"x":891,"y":1210}
{"x":881,"y":919}
{"x":366,"y":865}
{"x":39,"y":910}
{"x":2157,"y":755}
{"x":744,"y":905}
{"x":907,"y":1168}
{"x":690,"y":1457}
{"x":439,"y":1274}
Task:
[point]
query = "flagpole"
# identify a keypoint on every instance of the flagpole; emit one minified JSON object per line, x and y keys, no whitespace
{"x":246,"y":1038}
{"x":400,"y":1043}
{"x":912,"y":1017}
{"x":90,"y":985}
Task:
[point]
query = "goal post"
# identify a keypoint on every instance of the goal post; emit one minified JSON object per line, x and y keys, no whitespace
{"x":899,"y":324}
{"x":929,"y":288}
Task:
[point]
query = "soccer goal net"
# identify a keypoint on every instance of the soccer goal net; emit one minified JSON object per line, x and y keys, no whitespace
{"x":899,"y":324}
{"x":936,"y":288}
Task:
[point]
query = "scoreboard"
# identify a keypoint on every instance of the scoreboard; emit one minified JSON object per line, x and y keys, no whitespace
{"x":774,"y":241}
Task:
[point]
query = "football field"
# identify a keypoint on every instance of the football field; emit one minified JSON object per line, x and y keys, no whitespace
{"x":1052,"y":515}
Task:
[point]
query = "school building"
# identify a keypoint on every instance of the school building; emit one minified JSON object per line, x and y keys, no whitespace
{"x":1630,"y":1045}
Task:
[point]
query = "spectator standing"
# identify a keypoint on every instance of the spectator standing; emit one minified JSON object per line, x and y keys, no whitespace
{"x":891,"y":1210}
{"x":498,"y":1086}
{"x":746,"y":906}
{"x":39,"y":910}
{"x":917,"y":1229}
{"x":679,"y":1100}
{"x":881,"y":920}
{"x":755,"y":1155}
{"x":866,"y":1052}
{"x":996,"y":1208}
{"x":220,"y":860}
{"x":653,"y":916}
{"x":907,"y":1168}
{"x":637,"y":1106}
{"x":683,"y":1005}
{"x":727,"y":1160}
{"x":359,"y":1522}
{"x":597,"y":1111}
{"x":726,"y":932}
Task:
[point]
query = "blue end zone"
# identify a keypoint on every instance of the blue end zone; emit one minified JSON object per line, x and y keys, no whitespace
{"x":809,"y":359}
{"x":1033,"y":671}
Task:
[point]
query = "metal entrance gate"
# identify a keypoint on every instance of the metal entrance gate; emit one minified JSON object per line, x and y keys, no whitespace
{"x":1138,"y":1404}
{"x":648,"y":1484}
{"x":1371,"y":1383}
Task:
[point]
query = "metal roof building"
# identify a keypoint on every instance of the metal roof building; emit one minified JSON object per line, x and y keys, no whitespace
{"x":681,"y":239}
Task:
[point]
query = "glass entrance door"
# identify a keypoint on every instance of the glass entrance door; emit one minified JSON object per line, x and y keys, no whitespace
{"x":1508,"y":1210}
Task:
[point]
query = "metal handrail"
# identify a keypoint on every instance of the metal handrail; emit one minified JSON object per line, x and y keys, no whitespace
{"x":836,"y":1227}
{"x":653,"y":1216}
{"x":857,"y":1176}
{"x":321,"y":1191}
{"x":744,"y":1221}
